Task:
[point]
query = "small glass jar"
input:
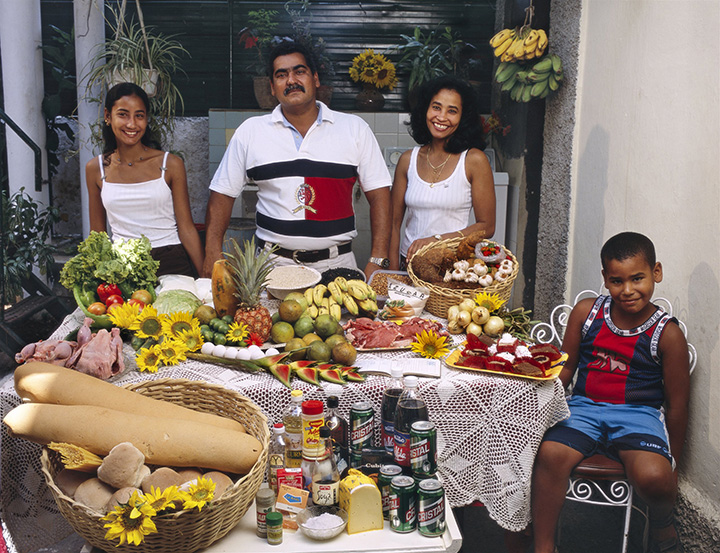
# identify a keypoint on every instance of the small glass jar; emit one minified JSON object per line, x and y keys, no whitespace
{"x":264,"y":503}
{"x":274,"y":521}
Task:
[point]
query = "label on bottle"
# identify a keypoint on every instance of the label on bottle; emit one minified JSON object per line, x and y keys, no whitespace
{"x":402,"y":448}
{"x":275,"y":461}
{"x":387,"y":434}
{"x":293,"y":451}
{"x":325,"y":493}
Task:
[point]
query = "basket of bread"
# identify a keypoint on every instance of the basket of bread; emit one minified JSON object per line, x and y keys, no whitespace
{"x":459,"y":268}
{"x":160,"y":466}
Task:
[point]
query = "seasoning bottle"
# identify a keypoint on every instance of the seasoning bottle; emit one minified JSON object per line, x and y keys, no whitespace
{"x":274,"y":528}
{"x":325,"y":475}
{"x":276,"y":454}
{"x":292,"y":418}
{"x":338,"y":432}
{"x":264,"y":503}
{"x":312,"y":420}
{"x":389,"y":405}
{"x":410,"y":408}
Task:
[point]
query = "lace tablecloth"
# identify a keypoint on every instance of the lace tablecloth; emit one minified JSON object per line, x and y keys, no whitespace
{"x":488,"y":429}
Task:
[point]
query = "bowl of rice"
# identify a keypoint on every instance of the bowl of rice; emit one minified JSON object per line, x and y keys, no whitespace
{"x":322,"y":523}
{"x":291,"y":278}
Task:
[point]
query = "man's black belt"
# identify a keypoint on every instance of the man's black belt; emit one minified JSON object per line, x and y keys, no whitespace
{"x":308,"y":256}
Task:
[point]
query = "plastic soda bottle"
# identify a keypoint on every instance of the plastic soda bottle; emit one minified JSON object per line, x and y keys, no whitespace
{"x":292,"y":418}
{"x":389,"y":404}
{"x":410,"y":408}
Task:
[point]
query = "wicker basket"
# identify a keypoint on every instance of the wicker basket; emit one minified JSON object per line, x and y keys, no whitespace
{"x":185,"y":531}
{"x":441,"y":298}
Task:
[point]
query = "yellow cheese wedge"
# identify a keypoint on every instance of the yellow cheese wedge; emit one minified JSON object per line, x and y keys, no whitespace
{"x":360,"y":497}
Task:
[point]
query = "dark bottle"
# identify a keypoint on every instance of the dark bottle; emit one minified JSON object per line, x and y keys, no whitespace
{"x":410,"y":408}
{"x":325,"y":475}
{"x":338,"y":432}
{"x":387,"y":412}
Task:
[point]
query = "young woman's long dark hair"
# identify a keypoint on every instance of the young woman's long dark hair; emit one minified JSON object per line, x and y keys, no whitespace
{"x":469,"y":132}
{"x":113,"y":95}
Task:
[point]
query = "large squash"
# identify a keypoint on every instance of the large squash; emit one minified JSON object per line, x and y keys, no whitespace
{"x":223,"y":289}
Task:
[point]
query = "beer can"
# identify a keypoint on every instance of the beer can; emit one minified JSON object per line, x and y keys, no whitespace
{"x":431,"y":508}
{"x":361,"y":425}
{"x":423,"y":448}
{"x":385,"y":476}
{"x":403,"y":501}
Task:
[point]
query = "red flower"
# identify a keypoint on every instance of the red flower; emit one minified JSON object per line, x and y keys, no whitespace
{"x":254,"y":338}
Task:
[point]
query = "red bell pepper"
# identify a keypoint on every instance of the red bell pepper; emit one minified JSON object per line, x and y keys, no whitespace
{"x":106,"y":290}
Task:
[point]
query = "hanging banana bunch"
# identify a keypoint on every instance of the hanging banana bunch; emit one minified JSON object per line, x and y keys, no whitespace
{"x":526,"y":70}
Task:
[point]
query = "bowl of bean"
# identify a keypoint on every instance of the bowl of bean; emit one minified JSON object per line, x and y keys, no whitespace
{"x":322,"y":523}
{"x":291,"y":278}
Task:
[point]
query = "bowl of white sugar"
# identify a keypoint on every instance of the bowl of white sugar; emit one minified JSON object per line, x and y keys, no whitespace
{"x":322,"y":523}
{"x":291,"y":278}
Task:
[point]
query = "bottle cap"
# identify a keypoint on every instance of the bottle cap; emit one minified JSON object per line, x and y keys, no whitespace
{"x":265,"y":494}
{"x":410,"y":381}
{"x":278,"y":428}
{"x":312,"y":407}
{"x":396,"y":371}
{"x":296,"y":394}
{"x":332,"y":402}
{"x":324,"y":432}
{"x":274,"y":518}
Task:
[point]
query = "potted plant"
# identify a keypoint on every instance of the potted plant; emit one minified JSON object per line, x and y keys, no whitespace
{"x":139,"y":54}
{"x":375,"y":72}
{"x":259,"y":36}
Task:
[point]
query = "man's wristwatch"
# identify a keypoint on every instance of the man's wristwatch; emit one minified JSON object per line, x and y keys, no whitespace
{"x":382,"y":262}
{"x":438,"y":237}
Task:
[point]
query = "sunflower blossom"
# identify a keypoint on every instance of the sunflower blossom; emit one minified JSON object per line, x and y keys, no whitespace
{"x":148,"y":323}
{"x":430,"y":345}
{"x":131,"y":521}
{"x":161,"y":500}
{"x":172,"y":351}
{"x":174,"y":323}
{"x":490,"y":301}
{"x":200,"y":493}
{"x":237,"y":333}
{"x":192,"y":339}
{"x":125,"y":315}
{"x":148,"y":359}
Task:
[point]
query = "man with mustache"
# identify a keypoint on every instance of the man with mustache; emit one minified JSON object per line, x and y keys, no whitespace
{"x":305,"y":159}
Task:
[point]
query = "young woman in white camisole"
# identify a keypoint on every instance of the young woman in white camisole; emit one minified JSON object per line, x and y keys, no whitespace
{"x":136,"y":189}
{"x":438,"y":183}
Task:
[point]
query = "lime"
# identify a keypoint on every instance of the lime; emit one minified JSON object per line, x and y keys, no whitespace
{"x":335,"y":339}
{"x":296,"y":343}
{"x":303,"y":326}
{"x":205,"y":314}
{"x":319,"y":351}
{"x":326,"y":325}
{"x":282,"y":332}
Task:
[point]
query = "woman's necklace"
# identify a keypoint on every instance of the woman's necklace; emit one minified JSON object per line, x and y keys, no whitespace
{"x":130,"y":163}
{"x":435,"y":169}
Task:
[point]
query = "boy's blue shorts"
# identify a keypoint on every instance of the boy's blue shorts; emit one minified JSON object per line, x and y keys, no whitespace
{"x":607,"y":428}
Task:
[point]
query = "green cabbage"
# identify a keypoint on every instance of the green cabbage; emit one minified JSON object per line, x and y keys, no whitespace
{"x":172,"y":301}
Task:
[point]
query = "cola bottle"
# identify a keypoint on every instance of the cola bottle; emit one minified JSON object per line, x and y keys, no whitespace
{"x":389,"y":404}
{"x":410,"y":408}
{"x":339,"y":433}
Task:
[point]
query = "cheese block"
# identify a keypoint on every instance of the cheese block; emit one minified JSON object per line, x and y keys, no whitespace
{"x":360,"y":497}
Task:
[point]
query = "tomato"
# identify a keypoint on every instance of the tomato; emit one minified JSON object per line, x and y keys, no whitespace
{"x":97,"y":308}
{"x":113,"y":306}
{"x":115,"y":298}
{"x":143,"y":296}
{"x":135,"y":301}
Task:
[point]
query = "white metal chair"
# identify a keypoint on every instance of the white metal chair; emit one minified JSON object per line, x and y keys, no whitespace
{"x":599,"y":480}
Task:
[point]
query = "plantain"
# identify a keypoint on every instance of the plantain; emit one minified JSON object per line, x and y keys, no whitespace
{"x":319,"y":294}
{"x":531,"y":40}
{"x":553,"y":84}
{"x":508,"y":73}
{"x":516,"y":91}
{"x":309,"y":296}
{"x":526,"y":94}
{"x":543,"y":66}
{"x":368,"y":306}
{"x":538,"y":88}
{"x":342,"y":283}
{"x":357,"y":289}
{"x":500,"y":37}
{"x":507,"y":85}
{"x":336,"y":311}
{"x":502,"y":48}
{"x":335,"y":291}
{"x":312,"y":310}
{"x":350,"y":304}
{"x":556,"y":63}
{"x":75,"y":457}
{"x":542,"y":40}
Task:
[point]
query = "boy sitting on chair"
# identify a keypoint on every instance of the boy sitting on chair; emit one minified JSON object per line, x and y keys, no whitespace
{"x":630,"y":400}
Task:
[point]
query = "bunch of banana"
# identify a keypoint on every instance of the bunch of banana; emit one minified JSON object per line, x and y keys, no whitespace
{"x":530,"y":81}
{"x":354,"y":295}
{"x":521,"y":44}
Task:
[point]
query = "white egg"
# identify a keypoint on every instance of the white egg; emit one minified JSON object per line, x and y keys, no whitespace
{"x":219,"y":350}
{"x":255,"y":352}
{"x":207,"y":348}
{"x":271,"y":351}
{"x":231,"y":352}
{"x":243,"y":353}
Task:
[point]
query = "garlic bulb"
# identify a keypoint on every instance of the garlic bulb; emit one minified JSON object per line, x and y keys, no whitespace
{"x":462,"y":265}
{"x":448,"y":276}
{"x":486,"y":280}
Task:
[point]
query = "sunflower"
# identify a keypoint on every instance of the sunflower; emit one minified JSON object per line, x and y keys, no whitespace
{"x":125,"y":315}
{"x":148,"y":359}
{"x":131,"y":521}
{"x":386,"y":76}
{"x":430,"y":345}
{"x":374,"y":69}
{"x":148,"y":323}
{"x":161,"y":500}
{"x":237,"y":333}
{"x":192,"y":339}
{"x":490,"y":301}
{"x":172,"y":351}
{"x":200,"y":493}
{"x":174,"y":323}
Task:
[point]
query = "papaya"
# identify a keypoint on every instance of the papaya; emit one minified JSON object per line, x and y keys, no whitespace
{"x":223,"y":289}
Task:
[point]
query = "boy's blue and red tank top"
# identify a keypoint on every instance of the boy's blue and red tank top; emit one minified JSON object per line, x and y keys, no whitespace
{"x":621,"y":366}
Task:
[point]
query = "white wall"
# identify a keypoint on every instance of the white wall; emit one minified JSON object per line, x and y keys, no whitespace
{"x":646,"y":157}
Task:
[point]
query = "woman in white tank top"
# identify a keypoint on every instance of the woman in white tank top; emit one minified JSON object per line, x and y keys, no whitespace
{"x":135,"y":189}
{"x":437,"y":183}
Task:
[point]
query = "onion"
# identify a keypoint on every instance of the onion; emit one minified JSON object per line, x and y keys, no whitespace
{"x":452,"y":313}
{"x":474,"y":328}
{"x":494,"y":327}
{"x":464,"y":318}
{"x":467,"y":305}
{"x":455,"y":328}
{"x":480,"y":315}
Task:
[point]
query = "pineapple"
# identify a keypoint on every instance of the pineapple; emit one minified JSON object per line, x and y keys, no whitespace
{"x":249,"y":273}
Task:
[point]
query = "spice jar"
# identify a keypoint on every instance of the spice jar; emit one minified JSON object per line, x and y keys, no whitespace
{"x":264,"y":503}
{"x":312,"y":420}
{"x":274,"y":521}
